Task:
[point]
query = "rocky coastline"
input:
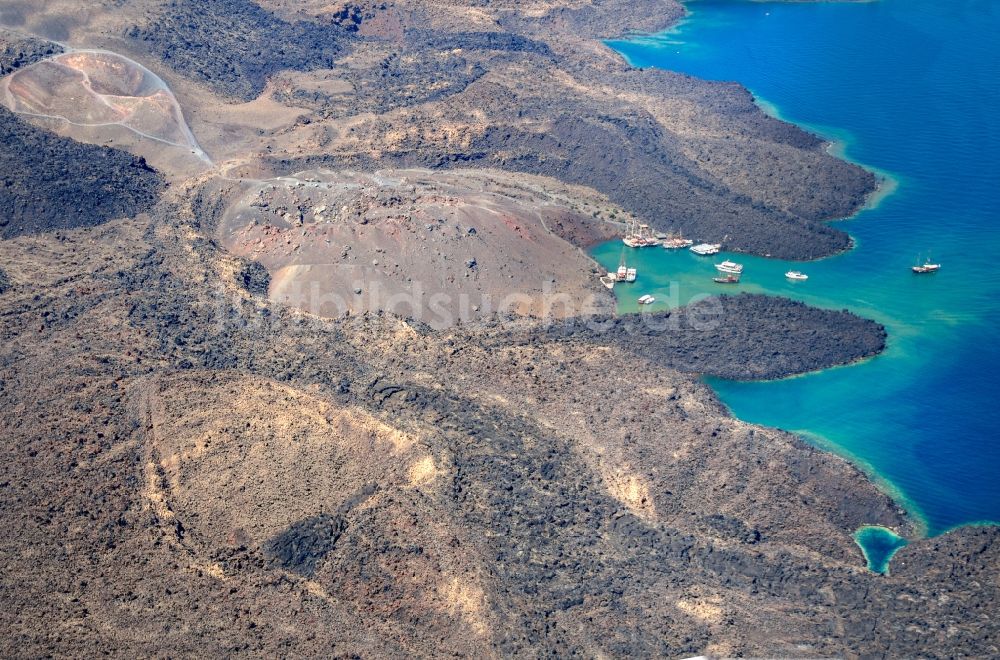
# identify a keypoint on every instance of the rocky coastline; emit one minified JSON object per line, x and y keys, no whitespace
{"x":192,"y":468}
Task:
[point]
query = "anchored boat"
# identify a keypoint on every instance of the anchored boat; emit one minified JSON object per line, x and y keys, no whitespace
{"x":926,"y":267}
{"x":624,"y":273}
{"x":729,"y":267}
{"x":706,"y":249}
{"x":796,"y":275}
{"x":639,"y":236}
{"x":676,"y":241}
{"x":646,"y":299}
{"x":728,"y":279}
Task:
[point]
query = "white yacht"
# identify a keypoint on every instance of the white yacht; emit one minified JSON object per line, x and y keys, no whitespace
{"x":706,"y":249}
{"x":624,"y":273}
{"x":926,"y":267}
{"x":729,"y":267}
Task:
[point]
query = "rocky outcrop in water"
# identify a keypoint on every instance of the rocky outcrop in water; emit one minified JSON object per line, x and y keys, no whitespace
{"x":744,"y":337}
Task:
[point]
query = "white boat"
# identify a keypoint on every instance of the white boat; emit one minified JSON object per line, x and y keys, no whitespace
{"x":796,"y":275}
{"x":677,"y":243}
{"x":646,"y":299}
{"x":926,"y":267}
{"x":706,"y":249}
{"x":624,"y":273}
{"x":729,"y":267}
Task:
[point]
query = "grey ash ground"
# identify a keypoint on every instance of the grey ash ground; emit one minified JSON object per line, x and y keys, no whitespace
{"x":191,"y":468}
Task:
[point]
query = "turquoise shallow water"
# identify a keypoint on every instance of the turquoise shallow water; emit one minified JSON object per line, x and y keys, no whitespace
{"x":878,"y":545}
{"x":910,"y":88}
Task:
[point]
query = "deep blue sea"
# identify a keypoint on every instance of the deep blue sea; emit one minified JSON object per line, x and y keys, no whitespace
{"x":909,"y":88}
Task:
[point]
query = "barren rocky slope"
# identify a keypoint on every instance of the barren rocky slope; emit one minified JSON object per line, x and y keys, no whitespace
{"x":441,"y":247}
{"x":19,"y":50}
{"x":520,"y":87}
{"x":191,"y":468}
{"x":194,"y":470}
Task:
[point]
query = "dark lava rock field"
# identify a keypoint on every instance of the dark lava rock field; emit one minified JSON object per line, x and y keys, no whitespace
{"x":50,"y":182}
{"x":234,"y":46}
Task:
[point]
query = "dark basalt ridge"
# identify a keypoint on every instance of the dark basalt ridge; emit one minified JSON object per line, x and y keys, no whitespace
{"x":234,"y":46}
{"x":50,"y":182}
{"x":253,"y":277}
{"x":305,"y":543}
{"x":435,"y":40}
{"x":743,"y":337}
{"x":17,"y":51}
{"x":419,"y":77}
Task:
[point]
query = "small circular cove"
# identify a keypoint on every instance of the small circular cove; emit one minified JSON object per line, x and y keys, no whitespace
{"x":879,"y":545}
